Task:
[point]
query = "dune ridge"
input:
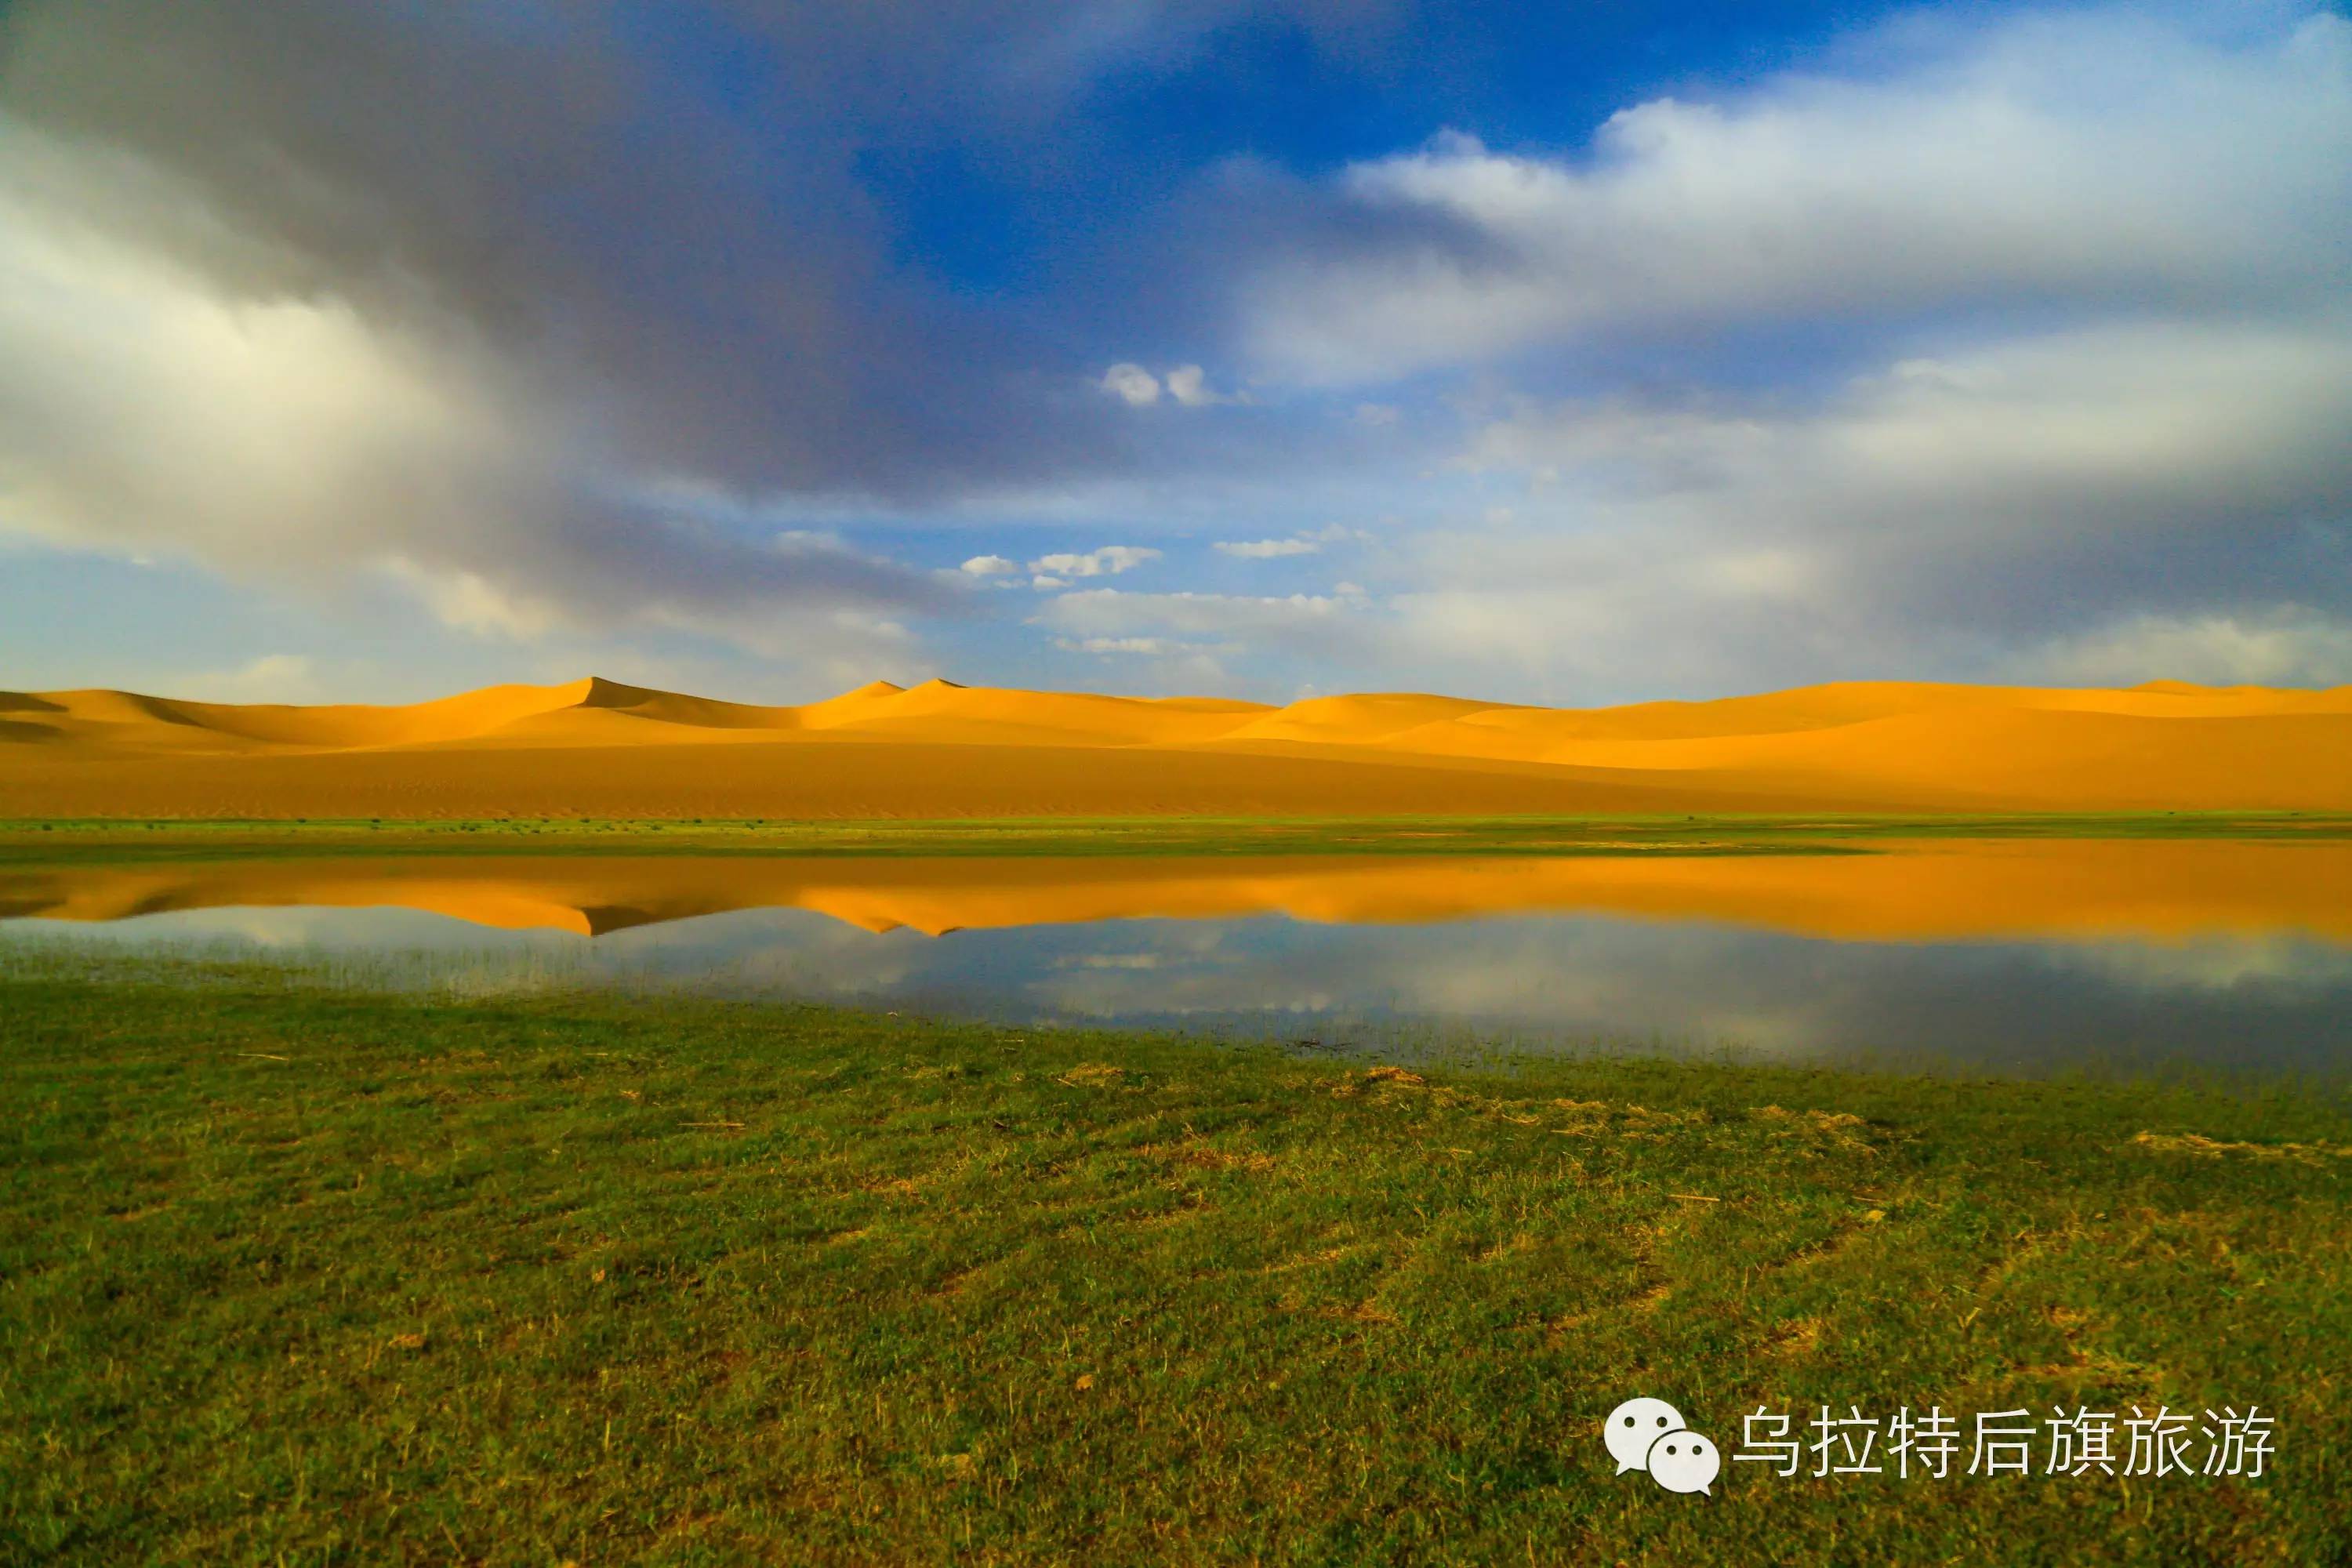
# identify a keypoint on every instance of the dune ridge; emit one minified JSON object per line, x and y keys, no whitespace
{"x":601,"y":747}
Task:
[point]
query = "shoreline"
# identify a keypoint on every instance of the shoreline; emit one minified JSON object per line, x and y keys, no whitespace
{"x":33,"y":839}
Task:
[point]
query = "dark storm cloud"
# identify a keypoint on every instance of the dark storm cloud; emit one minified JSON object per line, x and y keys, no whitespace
{"x":706,"y":276}
{"x":633,"y":252}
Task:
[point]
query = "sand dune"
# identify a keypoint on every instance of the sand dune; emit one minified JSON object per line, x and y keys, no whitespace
{"x":600,"y":748}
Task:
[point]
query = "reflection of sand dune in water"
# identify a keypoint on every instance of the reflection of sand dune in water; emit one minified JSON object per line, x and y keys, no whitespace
{"x":1949,"y":888}
{"x":600,"y":748}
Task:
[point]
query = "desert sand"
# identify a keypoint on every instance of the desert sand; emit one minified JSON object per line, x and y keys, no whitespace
{"x":597,"y":748}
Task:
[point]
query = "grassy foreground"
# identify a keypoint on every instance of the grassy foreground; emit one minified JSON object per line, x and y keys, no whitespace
{"x":301,"y":1276}
{"x":35,"y":842}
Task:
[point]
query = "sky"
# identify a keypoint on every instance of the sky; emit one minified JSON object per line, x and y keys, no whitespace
{"x":1571,"y":354}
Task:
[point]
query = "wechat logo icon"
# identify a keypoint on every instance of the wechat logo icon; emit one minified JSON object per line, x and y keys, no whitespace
{"x":1650,"y":1435}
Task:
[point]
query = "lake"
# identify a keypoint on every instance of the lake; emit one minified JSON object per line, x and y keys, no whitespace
{"x":1976,"y":955}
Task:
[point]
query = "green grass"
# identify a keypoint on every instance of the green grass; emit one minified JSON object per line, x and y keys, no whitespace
{"x":298,"y":1275}
{"x":23,"y":842}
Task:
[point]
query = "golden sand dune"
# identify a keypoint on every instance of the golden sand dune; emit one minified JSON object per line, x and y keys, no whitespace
{"x":599,"y":748}
{"x":1940,"y":889}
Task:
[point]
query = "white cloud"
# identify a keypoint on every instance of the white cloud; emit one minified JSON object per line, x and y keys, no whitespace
{"x":2285,"y":646}
{"x":1187,"y":384}
{"x":471,"y":602}
{"x":1267,"y":549}
{"x":824,"y":651}
{"x":1152,"y":646}
{"x":1305,"y":543}
{"x":1131,"y":383}
{"x":149,"y":407}
{"x":2097,"y":157}
{"x":1108,"y":561}
{"x":1112,"y":612}
{"x":247,"y":420}
{"x":2124,"y":424}
{"x":1184,"y":639}
{"x":1162,"y":663}
{"x":273,"y":677}
{"x":1944,"y":517}
{"x":990,"y":566}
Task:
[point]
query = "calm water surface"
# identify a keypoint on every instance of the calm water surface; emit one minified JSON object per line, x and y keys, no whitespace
{"x":2013,"y":957}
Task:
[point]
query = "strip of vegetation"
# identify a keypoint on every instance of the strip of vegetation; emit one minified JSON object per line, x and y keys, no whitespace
{"x":26,"y":842}
{"x":304,"y":1275}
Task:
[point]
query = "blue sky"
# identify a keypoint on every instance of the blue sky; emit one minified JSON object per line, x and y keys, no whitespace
{"x":1564,"y":353}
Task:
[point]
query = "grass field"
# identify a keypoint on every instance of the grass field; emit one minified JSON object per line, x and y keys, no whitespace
{"x":297,"y":1275}
{"x":110,"y":839}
